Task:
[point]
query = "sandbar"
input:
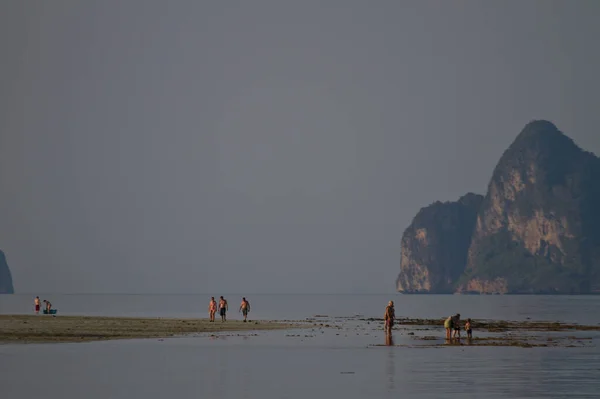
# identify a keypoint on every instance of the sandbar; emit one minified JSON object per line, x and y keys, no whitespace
{"x":44,"y":328}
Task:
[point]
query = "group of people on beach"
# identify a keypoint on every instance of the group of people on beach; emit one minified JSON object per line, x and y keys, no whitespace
{"x":37,"y":305}
{"x":223,"y":307}
{"x":451,"y":324}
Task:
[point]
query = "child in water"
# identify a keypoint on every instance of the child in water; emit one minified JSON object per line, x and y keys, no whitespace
{"x":468,"y":329}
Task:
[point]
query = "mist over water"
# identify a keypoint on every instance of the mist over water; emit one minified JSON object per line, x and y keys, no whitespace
{"x":264,"y":147}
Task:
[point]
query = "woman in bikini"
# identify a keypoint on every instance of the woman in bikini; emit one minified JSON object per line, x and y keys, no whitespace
{"x":212,"y":309}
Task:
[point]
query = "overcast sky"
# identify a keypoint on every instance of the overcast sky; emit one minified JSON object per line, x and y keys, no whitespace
{"x":264,"y":147}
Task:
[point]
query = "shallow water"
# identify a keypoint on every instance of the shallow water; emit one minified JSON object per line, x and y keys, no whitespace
{"x":572,"y":309}
{"x":350,"y":362}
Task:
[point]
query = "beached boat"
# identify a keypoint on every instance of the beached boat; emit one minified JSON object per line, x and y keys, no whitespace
{"x":52,"y":311}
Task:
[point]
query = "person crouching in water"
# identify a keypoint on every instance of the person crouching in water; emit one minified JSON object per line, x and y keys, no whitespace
{"x":468,"y":329}
{"x":389,"y":316}
{"x":449,"y":326}
{"x":48,"y":306}
{"x":457,"y":326}
{"x":245,"y":308}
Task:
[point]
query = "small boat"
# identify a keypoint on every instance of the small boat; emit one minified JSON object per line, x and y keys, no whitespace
{"x":52,"y":311}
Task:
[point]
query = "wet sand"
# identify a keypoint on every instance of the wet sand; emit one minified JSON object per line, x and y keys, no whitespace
{"x":523,"y":334}
{"x":430,"y":333}
{"x":500,"y":325}
{"x":44,"y":328}
{"x":423,"y":332}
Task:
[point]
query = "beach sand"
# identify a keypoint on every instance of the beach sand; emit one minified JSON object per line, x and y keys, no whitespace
{"x":44,"y":328}
{"x":425,"y":332}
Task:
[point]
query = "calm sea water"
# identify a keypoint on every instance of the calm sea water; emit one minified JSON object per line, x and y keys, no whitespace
{"x":577,"y":309}
{"x":324,"y":363}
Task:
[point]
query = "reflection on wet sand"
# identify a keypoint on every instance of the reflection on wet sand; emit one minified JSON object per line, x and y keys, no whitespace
{"x":452,"y":341}
{"x":458,"y":341}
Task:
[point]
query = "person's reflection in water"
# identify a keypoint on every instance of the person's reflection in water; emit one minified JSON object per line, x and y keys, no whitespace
{"x":390,"y":368}
{"x":453,"y":341}
{"x":389,"y":340}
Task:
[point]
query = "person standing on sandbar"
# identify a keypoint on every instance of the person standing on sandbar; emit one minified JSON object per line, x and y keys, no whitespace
{"x":212,"y":309}
{"x":245,"y":308}
{"x":223,"y":307}
{"x":36,"y":302}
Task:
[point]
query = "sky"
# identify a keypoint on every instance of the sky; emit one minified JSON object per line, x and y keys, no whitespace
{"x":264,"y":146}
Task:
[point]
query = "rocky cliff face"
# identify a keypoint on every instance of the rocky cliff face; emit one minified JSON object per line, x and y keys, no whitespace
{"x":6,"y":285}
{"x":536,"y":231}
{"x":435,"y":245}
{"x":538,"y":228}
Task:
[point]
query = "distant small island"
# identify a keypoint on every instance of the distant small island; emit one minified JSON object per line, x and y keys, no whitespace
{"x":536,"y":231}
{"x":6,"y":284}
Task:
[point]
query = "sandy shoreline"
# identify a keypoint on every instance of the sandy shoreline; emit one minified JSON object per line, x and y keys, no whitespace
{"x":47,"y":329}
{"x":43,"y":328}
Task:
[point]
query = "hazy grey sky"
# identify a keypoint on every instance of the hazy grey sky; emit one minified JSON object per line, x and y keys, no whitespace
{"x":252,"y":146}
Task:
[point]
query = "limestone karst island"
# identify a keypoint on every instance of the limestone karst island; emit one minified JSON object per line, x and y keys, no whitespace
{"x":536,"y":230}
{"x":6,"y":285}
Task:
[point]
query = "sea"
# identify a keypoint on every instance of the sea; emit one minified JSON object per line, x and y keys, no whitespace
{"x":346,"y":362}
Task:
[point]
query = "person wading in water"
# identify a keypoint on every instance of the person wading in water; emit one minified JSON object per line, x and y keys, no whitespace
{"x":449,"y":326}
{"x":389,"y":316}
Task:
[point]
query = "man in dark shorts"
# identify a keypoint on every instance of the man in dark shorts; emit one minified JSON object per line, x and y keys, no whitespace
{"x":223,"y":307}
